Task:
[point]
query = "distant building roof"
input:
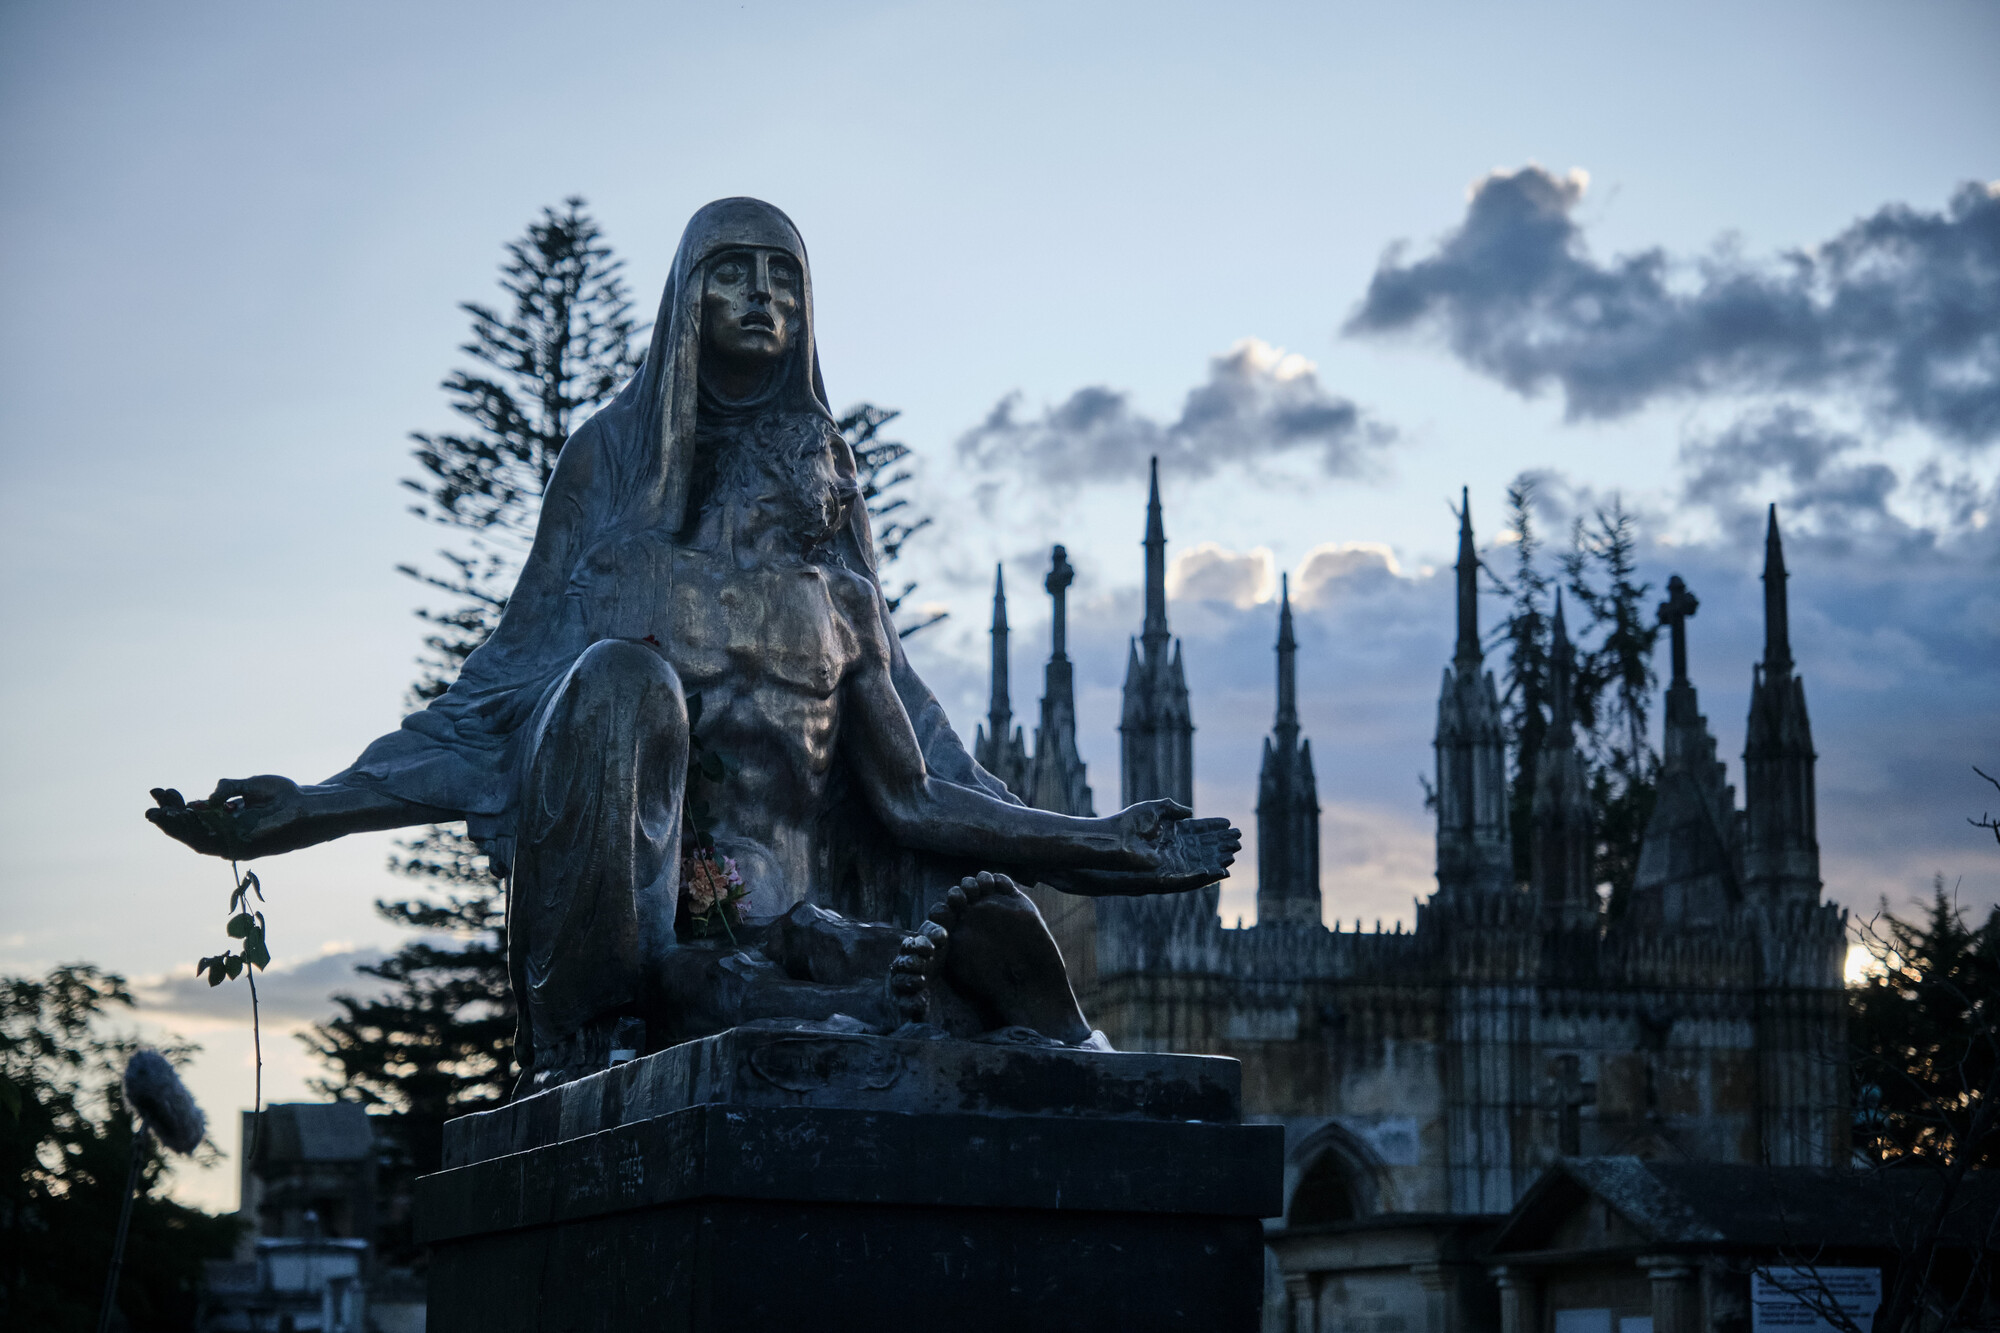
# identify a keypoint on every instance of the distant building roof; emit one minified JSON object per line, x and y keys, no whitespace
{"x":1699,"y":1205}
{"x":316,"y":1132}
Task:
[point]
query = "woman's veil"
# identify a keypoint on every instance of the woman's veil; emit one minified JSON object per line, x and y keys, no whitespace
{"x":625,"y":471}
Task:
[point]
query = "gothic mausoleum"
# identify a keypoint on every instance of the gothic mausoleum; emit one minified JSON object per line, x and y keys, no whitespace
{"x":1426,"y":1079}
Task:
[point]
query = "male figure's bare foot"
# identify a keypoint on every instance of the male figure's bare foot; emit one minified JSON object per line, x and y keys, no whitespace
{"x":913,"y":976}
{"x":998,"y":955}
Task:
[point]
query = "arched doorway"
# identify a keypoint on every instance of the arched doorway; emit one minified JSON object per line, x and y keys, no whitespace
{"x":1325,"y":1193}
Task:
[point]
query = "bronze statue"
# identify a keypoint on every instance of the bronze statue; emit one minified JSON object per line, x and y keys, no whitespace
{"x":703,"y":536}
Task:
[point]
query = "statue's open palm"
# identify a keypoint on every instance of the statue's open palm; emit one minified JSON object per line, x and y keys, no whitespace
{"x":242,"y":819}
{"x":1172,"y":852}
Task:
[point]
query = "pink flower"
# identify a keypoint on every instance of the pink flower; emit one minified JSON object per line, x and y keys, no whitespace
{"x":705,"y":884}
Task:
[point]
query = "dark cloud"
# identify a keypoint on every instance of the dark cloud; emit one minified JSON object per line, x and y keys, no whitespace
{"x":290,"y":992}
{"x":1257,"y":401}
{"x":1831,"y":490}
{"x":1901,"y":310}
{"x":1791,"y":446}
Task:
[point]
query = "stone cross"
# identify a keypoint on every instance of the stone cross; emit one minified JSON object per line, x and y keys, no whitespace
{"x":1674,"y":613}
{"x":1061,"y":575}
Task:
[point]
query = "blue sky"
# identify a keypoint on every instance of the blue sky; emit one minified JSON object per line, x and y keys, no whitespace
{"x":237,"y":236}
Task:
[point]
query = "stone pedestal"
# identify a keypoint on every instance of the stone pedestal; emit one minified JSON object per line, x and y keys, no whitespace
{"x":774,"y":1175}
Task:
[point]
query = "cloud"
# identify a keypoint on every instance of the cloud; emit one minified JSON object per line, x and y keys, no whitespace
{"x":1789,"y":447}
{"x":297,"y":991}
{"x":1209,"y":572}
{"x":1901,"y":310}
{"x":1832,"y":487}
{"x":1335,"y":567}
{"x":1257,"y":401}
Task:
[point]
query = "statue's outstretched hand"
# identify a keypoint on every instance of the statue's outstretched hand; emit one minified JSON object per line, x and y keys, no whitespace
{"x":1170,"y":853}
{"x":244,"y":818}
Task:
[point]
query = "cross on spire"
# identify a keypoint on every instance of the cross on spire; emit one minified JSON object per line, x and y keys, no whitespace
{"x":1061,"y":575}
{"x":1674,"y":613}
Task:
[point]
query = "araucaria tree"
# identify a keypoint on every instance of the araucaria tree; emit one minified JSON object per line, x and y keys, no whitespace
{"x":879,"y":462}
{"x":437,"y":1040}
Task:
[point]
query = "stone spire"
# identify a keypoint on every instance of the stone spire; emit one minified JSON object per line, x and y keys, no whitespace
{"x":1287,"y":725}
{"x":1287,"y":801}
{"x":1474,"y":848}
{"x":1469,"y":654}
{"x":999,"y":708}
{"x":997,"y":744}
{"x":1153,"y":634}
{"x":1780,"y":825}
{"x":1156,"y":728}
{"x":1058,"y":781}
{"x":1687,"y":871}
{"x":1777,"y":615}
{"x":1562,"y":839}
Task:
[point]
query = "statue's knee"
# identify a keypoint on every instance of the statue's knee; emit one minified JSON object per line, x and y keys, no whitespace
{"x":633,"y":677}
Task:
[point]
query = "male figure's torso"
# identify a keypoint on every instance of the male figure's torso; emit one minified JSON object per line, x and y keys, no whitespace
{"x":766,"y":639}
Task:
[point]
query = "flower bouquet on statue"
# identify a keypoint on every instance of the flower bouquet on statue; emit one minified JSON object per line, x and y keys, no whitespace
{"x":710,"y":892}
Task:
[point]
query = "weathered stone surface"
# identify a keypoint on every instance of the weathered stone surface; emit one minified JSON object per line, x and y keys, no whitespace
{"x":771,"y":1265}
{"x":789,"y":1065}
{"x":817,"y":1155}
{"x":778,"y":1173}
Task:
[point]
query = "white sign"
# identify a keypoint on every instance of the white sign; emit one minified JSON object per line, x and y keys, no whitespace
{"x":1792,"y":1298}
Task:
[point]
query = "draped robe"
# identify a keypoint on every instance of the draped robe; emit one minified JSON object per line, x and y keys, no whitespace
{"x":624,"y":475}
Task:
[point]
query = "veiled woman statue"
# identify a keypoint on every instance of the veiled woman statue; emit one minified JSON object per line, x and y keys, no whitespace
{"x":703,"y":537}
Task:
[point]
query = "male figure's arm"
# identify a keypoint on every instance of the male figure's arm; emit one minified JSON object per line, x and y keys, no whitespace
{"x":1151,"y":847}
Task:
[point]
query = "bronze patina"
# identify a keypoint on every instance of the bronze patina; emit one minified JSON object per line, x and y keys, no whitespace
{"x":704,"y":536}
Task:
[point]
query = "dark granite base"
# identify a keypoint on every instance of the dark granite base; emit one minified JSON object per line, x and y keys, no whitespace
{"x":731,"y":1264}
{"x":740,"y":1215}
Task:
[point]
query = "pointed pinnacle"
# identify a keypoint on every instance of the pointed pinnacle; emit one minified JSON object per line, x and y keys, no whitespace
{"x":1468,"y":652}
{"x":1156,"y":529}
{"x":1288,"y":713}
{"x":999,"y":597}
{"x":1154,"y":631}
{"x":1777,"y":613}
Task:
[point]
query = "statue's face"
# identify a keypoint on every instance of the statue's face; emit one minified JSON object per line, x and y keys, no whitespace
{"x":750,"y":304}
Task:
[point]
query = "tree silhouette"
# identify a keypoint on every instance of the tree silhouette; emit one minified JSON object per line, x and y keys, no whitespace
{"x":1613,"y":684}
{"x":66,"y":1137}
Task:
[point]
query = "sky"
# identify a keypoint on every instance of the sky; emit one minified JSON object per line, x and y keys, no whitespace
{"x":1329,"y":263}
